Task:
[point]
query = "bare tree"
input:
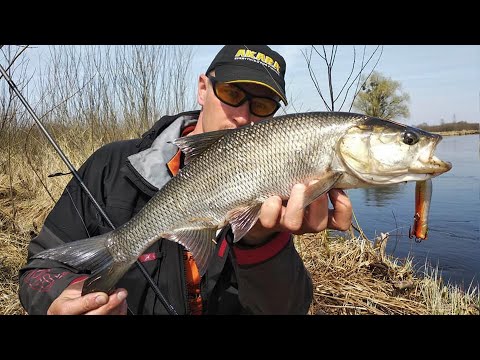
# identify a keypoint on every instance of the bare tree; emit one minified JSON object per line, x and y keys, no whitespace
{"x":11,"y":112}
{"x":87,"y":96}
{"x":327,"y":57}
{"x":16,"y":67}
{"x":109,"y":87}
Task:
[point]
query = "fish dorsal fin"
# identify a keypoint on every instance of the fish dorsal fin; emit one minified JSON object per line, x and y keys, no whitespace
{"x":194,"y":145}
{"x":242,"y":219}
{"x":200,"y":242}
{"x":323,"y":184}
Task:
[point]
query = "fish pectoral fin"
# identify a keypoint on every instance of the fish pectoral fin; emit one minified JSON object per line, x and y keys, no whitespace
{"x":194,"y":145}
{"x":200,"y":242}
{"x":337,"y":165}
{"x":325,"y":183}
{"x":242,"y":219}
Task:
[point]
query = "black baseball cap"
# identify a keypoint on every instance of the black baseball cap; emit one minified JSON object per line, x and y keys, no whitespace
{"x":256,"y":64}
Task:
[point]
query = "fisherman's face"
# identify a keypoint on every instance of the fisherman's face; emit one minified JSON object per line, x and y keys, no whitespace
{"x":218,"y":116}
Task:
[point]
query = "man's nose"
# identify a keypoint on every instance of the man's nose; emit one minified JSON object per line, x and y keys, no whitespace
{"x":242,"y":115}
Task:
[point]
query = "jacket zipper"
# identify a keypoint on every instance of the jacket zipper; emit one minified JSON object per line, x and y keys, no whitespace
{"x":184,"y":279}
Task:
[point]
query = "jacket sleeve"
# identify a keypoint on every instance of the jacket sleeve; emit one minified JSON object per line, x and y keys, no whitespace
{"x":272,"y":278}
{"x":73,"y":217}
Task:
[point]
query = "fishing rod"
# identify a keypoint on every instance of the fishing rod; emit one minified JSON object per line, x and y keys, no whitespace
{"x":170,"y":309}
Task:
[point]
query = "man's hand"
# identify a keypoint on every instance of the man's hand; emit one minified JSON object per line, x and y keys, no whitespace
{"x":276,"y":217}
{"x":70,"y":302}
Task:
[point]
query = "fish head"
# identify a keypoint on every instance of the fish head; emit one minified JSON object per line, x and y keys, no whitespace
{"x":385,"y":152}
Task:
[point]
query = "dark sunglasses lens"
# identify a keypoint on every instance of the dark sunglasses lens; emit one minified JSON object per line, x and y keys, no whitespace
{"x":234,"y":96}
{"x":263,"y":106}
{"x":229,"y":94}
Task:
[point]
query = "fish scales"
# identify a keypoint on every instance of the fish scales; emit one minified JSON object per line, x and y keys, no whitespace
{"x":246,"y":165}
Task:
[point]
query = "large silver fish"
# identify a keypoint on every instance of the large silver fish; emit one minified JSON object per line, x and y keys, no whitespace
{"x":230,"y":173}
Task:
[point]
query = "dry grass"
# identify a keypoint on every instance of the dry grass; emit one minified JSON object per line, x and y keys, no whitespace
{"x":443,"y":299}
{"x":354,"y":276}
{"x":22,"y":212}
{"x":13,"y":250}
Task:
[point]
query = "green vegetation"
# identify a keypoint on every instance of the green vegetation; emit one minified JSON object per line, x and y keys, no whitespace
{"x":381,"y":97}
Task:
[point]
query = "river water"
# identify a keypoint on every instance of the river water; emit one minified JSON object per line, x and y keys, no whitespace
{"x":453,"y":242}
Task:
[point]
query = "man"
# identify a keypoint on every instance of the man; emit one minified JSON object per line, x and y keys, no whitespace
{"x":260,"y":274}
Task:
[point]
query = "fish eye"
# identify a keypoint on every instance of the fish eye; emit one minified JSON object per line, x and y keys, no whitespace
{"x":410,"y":138}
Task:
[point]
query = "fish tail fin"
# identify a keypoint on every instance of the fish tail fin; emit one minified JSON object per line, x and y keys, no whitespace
{"x":89,"y":255}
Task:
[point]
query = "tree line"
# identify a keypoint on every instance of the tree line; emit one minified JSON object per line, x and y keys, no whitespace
{"x":453,"y":126}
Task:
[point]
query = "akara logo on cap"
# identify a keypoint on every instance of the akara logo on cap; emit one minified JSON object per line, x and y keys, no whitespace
{"x":258,"y":57}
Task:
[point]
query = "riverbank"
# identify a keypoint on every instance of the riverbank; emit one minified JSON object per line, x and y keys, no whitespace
{"x":353,"y":276}
{"x":457,"y":132}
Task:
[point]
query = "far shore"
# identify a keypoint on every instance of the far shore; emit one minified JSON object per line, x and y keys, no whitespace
{"x":456,"y":132}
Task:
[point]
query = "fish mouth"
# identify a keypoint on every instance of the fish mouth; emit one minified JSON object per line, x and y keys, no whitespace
{"x":428,"y":163}
{"x":434,"y":166}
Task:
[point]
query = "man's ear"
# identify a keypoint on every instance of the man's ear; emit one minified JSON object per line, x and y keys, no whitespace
{"x":202,"y":89}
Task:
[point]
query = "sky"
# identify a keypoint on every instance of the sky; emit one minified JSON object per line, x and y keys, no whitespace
{"x":443,"y":81}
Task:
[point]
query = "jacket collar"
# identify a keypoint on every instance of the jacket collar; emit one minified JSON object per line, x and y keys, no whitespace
{"x":149,"y":166}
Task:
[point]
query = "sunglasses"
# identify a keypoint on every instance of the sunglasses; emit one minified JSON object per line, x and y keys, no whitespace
{"x":235,"y":96}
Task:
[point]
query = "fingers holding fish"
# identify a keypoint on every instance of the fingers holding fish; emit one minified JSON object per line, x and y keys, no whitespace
{"x":292,"y":218}
{"x":267,"y":224}
{"x":71,"y":302}
{"x":270,"y":213}
{"x":340,"y":217}
{"x":300,"y":220}
{"x":116,"y":305}
{"x":316,"y":217}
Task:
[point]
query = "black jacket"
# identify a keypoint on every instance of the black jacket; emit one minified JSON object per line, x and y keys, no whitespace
{"x":275,"y":281}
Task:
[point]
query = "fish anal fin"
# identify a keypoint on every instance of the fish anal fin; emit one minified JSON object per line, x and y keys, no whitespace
{"x":242,"y":219}
{"x":320,"y":187}
{"x":194,"y":145}
{"x":200,"y":242}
